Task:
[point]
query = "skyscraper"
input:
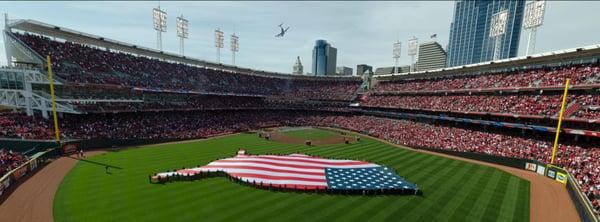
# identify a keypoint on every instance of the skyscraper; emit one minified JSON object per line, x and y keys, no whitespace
{"x":344,"y":71}
{"x":298,"y":68}
{"x":362,"y":69}
{"x":431,"y":56}
{"x":324,"y":58}
{"x":469,"y":31}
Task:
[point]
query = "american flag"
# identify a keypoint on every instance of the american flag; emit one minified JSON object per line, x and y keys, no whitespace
{"x":299,"y":171}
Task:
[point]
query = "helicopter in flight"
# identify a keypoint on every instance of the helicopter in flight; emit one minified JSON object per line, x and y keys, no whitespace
{"x":283,"y":31}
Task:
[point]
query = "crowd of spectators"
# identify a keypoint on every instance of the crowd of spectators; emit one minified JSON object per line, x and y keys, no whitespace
{"x":206,"y":117}
{"x":18,"y":125}
{"x":174,"y":102}
{"x":585,"y":106}
{"x":545,"y":105}
{"x":10,"y":160}
{"x":547,"y":76}
{"x":578,"y":157}
{"x":149,"y":125}
{"x":589,"y":106}
{"x":77,"y":63}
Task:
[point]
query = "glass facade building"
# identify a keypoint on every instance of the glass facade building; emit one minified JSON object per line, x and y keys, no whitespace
{"x":469,"y":31}
{"x":324,"y":58}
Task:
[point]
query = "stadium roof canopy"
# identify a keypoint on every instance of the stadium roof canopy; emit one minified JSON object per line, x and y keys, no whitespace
{"x":37,"y":27}
{"x":581,"y":54}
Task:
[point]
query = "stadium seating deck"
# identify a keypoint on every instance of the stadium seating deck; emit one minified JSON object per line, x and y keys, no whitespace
{"x":77,"y":63}
{"x":213,"y":102}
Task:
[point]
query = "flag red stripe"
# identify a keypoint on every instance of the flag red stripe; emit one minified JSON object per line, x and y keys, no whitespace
{"x":268,"y":163}
{"x":261,"y":168}
{"x":268,"y":177}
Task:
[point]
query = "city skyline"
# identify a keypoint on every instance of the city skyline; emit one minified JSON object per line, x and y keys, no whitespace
{"x":472,"y":36}
{"x":363,"y":32}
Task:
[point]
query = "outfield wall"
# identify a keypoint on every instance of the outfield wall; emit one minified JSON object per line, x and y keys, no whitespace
{"x":12,"y":179}
{"x":26,"y":146}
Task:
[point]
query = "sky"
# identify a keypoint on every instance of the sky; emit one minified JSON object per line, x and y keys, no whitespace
{"x":362,"y":32}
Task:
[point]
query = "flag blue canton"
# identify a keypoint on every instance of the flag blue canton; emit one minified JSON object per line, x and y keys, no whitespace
{"x":372,"y":178}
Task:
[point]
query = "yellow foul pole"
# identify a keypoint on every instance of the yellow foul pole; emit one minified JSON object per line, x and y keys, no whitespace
{"x":562,"y":110}
{"x":54,"y":116}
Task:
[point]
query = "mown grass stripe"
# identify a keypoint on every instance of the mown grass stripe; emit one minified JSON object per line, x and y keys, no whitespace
{"x":506,"y":211}
{"x":451,"y":190}
{"x":521,"y":212}
{"x":492,"y":209}
{"x":476,"y":190}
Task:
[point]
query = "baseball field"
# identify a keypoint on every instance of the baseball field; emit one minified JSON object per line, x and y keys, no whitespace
{"x":453,"y":190}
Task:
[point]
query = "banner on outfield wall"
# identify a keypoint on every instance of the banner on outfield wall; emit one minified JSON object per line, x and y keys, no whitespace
{"x":557,"y":173}
{"x":541,"y":169}
{"x":20,"y":172}
{"x":33,"y":164}
{"x":531,"y":166}
{"x":6,"y":183}
{"x":69,"y":148}
{"x":561,"y":177}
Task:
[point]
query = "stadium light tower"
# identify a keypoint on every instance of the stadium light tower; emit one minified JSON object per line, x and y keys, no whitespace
{"x":498,"y":28}
{"x":182,"y":31}
{"x":235,"y":47}
{"x":160,"y":25}
{"x":413,"y":47}
{"x":218,"y":43}
{"x":534,"y":18}
{"x":396,"y":55}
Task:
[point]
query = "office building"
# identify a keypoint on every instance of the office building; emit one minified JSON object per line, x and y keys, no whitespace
{"x":344,"y":71}
{"x":362,"y":68}
{"x":324,"y":58}
{"x":390,"y":70}
{"x":470,"y":28}
{"x":431,"y":56}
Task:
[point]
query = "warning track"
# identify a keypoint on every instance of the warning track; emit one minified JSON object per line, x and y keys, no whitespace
{"x":33,"y":199}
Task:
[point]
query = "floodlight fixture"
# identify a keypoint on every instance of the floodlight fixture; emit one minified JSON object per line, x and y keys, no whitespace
{"x":182,"y":27}
{"x":497,"y":30}
{"x":498,"y":23}
{"x":235,"y":47}
{"x":533,"y":19}
{"x":182,"y":32}
{"x":219,"y":43}
{"x":160,"y":25}
{"x":413,"y":47}
{"x":396,"y":55}
{"x":396,"y":49}
{"x":534,"y":14}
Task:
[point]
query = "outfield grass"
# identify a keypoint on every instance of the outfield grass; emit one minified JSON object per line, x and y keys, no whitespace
{"x":453,"y":190}
{"x":311,"y":134}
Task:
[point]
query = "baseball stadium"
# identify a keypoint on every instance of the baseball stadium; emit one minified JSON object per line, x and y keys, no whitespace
{"x":93,"y":128}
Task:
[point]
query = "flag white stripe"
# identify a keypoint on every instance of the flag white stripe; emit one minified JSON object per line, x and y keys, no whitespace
{"x":262,"y":172}
{"x":265,"y":166}
{"x":299,"y":163}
